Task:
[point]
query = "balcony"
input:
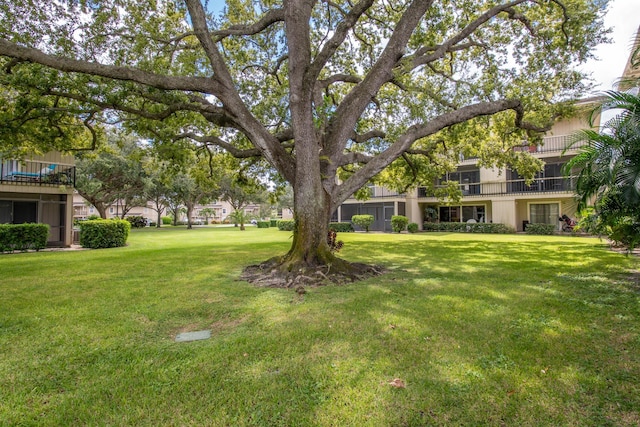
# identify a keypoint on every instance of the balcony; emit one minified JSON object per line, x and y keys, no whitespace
{"x":516,"y":186}
{"x":381,"y":192}
{"x":550,"y":144}
{"x":36,"y":173}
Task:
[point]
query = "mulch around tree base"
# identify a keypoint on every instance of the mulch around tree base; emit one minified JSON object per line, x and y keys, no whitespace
{"x":268,"y":275}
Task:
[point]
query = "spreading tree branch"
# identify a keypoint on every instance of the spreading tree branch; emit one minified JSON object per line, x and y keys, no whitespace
{"x":23,"y":53}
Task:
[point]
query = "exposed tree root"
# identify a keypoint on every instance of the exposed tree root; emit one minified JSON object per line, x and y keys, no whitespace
{"x":275,"y":274}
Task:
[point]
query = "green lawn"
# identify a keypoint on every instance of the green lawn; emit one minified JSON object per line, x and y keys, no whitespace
{"x":482,"y":329}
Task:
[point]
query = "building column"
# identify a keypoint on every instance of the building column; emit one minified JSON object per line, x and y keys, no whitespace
{"x":412,"y":208}
{"x":504,"y":212}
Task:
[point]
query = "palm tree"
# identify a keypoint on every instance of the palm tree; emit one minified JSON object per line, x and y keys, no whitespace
{"x":609,"y":165}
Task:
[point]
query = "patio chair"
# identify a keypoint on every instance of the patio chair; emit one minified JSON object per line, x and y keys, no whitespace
{"x":16,"y":175}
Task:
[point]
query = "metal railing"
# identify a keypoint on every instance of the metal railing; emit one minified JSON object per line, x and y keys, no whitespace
{"x":557,"y":143}
{"x":515,"y":186}
{"x":36,"y":173}
{"x":379,"y":192}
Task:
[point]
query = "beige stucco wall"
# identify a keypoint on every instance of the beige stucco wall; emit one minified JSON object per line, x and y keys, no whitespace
{"x":54,"y":157}
{"x":504,"y":212}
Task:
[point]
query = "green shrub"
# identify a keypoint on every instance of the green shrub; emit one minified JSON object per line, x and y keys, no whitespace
{"x":137,"y":221}
{"x":286,"y":224}
{"x":262,"y":224}
{"x":104,"y":233}
{"x":23,"y":237}
{"x":463,"y":227}
{"x":412,"y":228}
{"x":626,"y":234}
{"x":399,"y":223}
{"x":167,"y":220}
{"x":273,"y":223}
{"x":93,"y":217}
{"x":363,"y":221}
{"x":332,"y":240}
{"x":341,"y":227}
{"x":542,"y":229}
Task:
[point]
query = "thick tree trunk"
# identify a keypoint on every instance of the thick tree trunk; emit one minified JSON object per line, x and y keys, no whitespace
{"x":311,"y":215}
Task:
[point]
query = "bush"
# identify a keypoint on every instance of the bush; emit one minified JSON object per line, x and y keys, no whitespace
{"x":167,"y":220}
{"x":542,"y":229}
{"x":412,"y":228}
{"x":273,"y":223}
{"x":463,"y":227}
{"x":137,"y":221}
{"x":285,"y":224}
{"x":104,"y":233}
{"x":262,"y":224}
{"x":626,"y":234}
{"x":399,"y":223}
{"x":22,"y":237}
{"x":332,"y":240}
{"x":363,"y":221}
{"x":341,"y":227}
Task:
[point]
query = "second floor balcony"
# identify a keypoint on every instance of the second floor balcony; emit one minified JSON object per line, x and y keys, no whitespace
{"x":552,"y":144}
{"x":515,"y":186}
{"x":36,"y":173}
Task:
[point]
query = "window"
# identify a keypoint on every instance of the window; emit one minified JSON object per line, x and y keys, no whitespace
{"x":544,"y":213}
{"x":110,"y":210}
{"x":475,"y":213}
{"x":462,"y":213}
{"x":450,"y":213}
{"x":468,"y":180}
{"x":6,"y":212}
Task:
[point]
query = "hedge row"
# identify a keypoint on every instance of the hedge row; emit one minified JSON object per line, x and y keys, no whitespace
{"x":542,"y":229}
{"x":338,"y":227}
{"x":464,"y":227}
{"x":262,"y":224}
{"x":341,"y":227}
{"x":23,"y":237}
{"x":104,"y":233}
{"x":285,"y":225}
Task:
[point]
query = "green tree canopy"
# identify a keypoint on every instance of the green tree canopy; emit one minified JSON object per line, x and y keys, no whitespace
{"x":112,"y":174}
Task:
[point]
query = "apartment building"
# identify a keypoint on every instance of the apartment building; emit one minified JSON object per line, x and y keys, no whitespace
{"x":488,"y":195}
{"x":40,"y":190}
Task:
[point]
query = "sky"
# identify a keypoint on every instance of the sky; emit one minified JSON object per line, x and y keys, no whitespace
{"x":624,"y":18}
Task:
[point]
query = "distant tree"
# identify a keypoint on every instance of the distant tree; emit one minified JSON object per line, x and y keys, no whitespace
{"x":239,"y":191}
{"x":208,"y":213}
{"x":112,"y":175}
{"x":196,"y":185}
{"x":156,"y":188}
{"x":282,"y":197}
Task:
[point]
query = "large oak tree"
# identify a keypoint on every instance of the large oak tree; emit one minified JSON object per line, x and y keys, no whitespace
{"x":331,"y":93}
